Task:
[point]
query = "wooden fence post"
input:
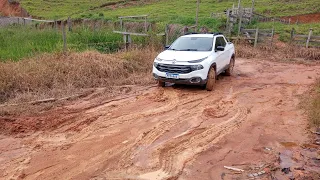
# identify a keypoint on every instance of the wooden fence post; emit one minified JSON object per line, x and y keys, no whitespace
{"x":24,"y":21}
{"x":102,"y":24}
{"x":127,"y":40}
{"x":228,"y":21}
{"x":55,"y":25}
{"x":197,"y":16}
{"x":94,"y":25}
{"x":256,"y":38}
{"x":64,"y":36}
{"x":69,"y":24}
{"x":146,"y":24}
{"x":292,"y":35}
{"x":309,"y":36}
{"x":240,"y":21}
{"x":272,"y":35}
{"x":121,"y":24}
{"x":167,"y":34}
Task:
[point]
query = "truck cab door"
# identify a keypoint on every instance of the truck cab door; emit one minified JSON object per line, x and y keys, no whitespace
{"x":222,"y":56}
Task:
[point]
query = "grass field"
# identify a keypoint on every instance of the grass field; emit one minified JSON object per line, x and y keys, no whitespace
{"x":18,"y":42}
{"x":162,"y":10}
{"x":56,"y":9}
{"x":284,"y":30}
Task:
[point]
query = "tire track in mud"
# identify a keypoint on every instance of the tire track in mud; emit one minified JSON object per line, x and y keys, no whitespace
{"x":177,"y":153}
{"x":159,"y":133}
{"x":103,"y":117}
{"x":147,"y":138}
{"x":171,"y":102}
{"x":170,"y":156}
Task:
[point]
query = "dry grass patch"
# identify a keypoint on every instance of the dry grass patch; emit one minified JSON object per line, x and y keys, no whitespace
{"x":314,"y":110}
{"x":286,"y":52}
{"x":60,"y":75}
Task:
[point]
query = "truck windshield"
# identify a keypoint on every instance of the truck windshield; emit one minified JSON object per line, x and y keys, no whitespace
{"x":192,"y":44}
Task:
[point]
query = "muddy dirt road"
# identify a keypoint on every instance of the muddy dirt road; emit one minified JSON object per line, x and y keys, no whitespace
{"x":177,"y":132}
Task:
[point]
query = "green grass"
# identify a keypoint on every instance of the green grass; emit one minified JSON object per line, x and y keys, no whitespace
{"x":284,"y":30}
{"x":102,"y":40}
{"x":18,"y":42}
{"x":56,"y":9}
{"x":174,"y":12}
{"x":163,"y":10}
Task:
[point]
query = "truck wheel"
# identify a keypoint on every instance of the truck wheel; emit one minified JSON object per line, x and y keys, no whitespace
{"x":161,"y":84}
{"x":211,"y":79}
{"x":229,"y":71}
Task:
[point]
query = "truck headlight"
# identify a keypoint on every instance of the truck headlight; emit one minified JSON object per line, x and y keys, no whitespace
{"x":196,"y":67}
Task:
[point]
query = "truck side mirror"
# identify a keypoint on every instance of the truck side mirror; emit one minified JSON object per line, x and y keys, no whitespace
{"x":167,"y":47}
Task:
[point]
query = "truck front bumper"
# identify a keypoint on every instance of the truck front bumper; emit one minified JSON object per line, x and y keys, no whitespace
{"x":190,"y":81}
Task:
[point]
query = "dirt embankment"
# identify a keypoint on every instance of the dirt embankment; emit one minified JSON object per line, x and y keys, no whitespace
{"x":177,"y":132}
{"x":304,"y":18}
{"x":12,"y":9}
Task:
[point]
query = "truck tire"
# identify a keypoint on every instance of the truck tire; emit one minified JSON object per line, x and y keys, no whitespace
{"x":161,"y":84}
{"x":229,"y":71}
{"x":211,"y":79}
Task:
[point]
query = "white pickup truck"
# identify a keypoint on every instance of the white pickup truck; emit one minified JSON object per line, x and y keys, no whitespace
{"x":195,"y":59}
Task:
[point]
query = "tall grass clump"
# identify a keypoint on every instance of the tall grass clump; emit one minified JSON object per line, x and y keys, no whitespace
{"x":103,"y":40}
{"x":18,"y":42}
{"x":285,"y":52}
{"x":314,"y":110}
{"x":55,"y":75}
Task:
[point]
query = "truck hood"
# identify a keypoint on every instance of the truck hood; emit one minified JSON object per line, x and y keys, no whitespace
{"x":182,"y":56}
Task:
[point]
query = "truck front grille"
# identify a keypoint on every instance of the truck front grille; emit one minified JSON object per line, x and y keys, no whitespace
{"x":172,"y":68}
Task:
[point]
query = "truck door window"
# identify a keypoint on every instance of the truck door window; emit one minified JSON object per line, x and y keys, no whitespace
{"x":218,"y":43}
{"x":223,"y":42}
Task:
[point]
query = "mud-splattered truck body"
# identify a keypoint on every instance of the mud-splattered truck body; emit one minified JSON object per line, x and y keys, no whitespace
{"x":195,"y":59}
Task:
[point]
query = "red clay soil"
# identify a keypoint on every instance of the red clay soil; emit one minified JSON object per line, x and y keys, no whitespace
{"x":176,"y":132}
{"x":12,"y":9}
{"x":305,"y":18}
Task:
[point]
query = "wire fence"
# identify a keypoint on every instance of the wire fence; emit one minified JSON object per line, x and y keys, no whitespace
{"x":148,"y":29}
{"x":6,"y":21}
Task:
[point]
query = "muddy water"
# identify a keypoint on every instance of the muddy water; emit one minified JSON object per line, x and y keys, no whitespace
{"x":178,"y":132}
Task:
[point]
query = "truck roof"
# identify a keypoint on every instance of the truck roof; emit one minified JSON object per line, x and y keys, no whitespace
{"x":202,"y":35}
